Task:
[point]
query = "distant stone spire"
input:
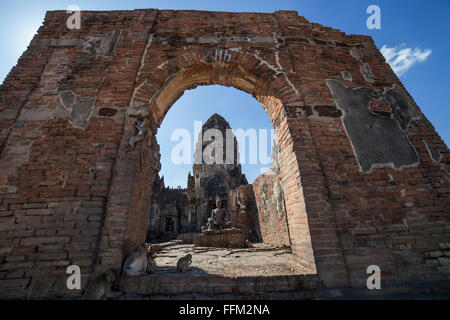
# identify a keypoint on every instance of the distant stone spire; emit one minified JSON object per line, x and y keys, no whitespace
{"x":217,"y":122}
{"x":205,"y":165}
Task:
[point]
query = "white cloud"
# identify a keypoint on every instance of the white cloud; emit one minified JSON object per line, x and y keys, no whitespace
{"x":402,"y":59}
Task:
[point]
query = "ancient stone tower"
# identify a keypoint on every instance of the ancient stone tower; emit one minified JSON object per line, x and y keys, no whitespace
{"x":215,"y":174}
{"x":175,"y":211}
{"x":365,"y":176}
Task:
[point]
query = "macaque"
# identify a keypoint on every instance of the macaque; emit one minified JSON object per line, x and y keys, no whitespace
{"x":142,"y":131}
{"x":137,"y":262}
{"x":151,"y":256}
{"x":100,"y":288}
{"x":183,"y":263}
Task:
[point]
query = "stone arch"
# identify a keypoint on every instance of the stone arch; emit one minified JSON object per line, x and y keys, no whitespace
{"x":155,"y":93}
{"x":157,"y":89}
{"x":231,"y":68}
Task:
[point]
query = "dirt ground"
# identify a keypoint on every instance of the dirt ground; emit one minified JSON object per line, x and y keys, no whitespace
{"x":260,"y":260}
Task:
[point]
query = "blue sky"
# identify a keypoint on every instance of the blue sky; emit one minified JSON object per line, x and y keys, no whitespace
{"x":414,"y":33}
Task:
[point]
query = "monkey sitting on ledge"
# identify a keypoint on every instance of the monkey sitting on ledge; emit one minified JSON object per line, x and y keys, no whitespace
{"x":183,"y":263}
{"x":151,"y":256}
{"x":137,"y":262}
{"x":100,"y":288}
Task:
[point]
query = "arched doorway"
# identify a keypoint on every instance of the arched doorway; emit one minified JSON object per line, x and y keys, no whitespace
{"x":270,"y":87}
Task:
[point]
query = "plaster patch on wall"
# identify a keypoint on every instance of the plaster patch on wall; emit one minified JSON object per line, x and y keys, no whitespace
{"x":100,"y":44}
{"x":346,"y":75}
{"x":403,"y":107}
{"x":104,"y":44}
{"x":81,"y":111}
{"x":80,"y":108}
{"x":434,"y":154}
{"x":377,"y":141}
{"x":356,"y":54}
{"x":367,"y":73}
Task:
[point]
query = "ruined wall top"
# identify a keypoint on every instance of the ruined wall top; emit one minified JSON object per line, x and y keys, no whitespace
{"x":203,"y":23}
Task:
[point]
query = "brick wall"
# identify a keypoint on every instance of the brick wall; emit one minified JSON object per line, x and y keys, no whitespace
{"x":70,"y":193}
{"x":269,"y":198}
{"x":244,"y":212}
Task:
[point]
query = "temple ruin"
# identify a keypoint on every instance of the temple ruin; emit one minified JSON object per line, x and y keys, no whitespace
{"x":361,"y":178}
{"x":176,"y":211}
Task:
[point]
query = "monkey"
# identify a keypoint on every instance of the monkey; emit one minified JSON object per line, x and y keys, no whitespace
{"x":137,"y":262}
{"x":183,"y":263}
{"x":142,"y":131}
{"x":100,"y":288}
{"x":151,"y":256}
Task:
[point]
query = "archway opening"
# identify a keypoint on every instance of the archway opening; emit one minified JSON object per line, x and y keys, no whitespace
{"x":192,"y":185}
{"x":204,"y":122}
{"x":279,"y":194}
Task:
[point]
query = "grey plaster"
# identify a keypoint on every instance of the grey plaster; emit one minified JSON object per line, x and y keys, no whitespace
{"x":403,"y":107}
{"x":367,"y":73}
{"x":435,"y":155}
{"x":67,"y":98}
{"x":80,"y":112}
{"x":346,"y":75}
{"x":356,"y":54}
{"x":104,"y":44}
{"x":378,"y":141}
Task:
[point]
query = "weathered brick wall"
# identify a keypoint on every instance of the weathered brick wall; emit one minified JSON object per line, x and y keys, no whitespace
{"x":360,"y":187}
{"x":244,"y":212}
{"x":271,"y":211}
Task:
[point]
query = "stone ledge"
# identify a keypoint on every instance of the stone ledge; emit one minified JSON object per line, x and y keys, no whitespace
{"x":224,"y":240}
{"x":213,"y":284}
